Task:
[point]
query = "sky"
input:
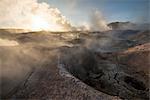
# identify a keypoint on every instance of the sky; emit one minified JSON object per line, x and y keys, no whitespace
{"x":70,"y":15}
{"x":79,"y":11}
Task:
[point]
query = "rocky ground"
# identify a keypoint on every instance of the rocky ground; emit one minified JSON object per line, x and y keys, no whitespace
{"x":75,"y":65}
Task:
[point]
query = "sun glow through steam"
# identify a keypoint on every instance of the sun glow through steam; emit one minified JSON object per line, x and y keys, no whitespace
{"x":40,"y":23}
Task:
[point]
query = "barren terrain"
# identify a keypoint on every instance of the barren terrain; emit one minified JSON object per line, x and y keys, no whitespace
{"x":74,"y":65}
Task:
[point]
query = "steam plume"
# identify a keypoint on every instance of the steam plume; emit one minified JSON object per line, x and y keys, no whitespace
{"x":29,"y":14}
{"x":5,"y":42}
{"x":98,"y":22}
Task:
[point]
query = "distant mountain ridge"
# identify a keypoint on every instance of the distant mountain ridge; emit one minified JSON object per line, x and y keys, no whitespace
{"x":128,"y":26}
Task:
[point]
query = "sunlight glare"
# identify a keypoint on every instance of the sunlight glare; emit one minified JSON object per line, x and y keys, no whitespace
{"x":40,"y":23}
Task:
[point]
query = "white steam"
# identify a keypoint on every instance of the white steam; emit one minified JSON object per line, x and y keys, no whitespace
{"x":98,"y":22}
{"x":5,"y":42}
{"x":29,"y":14}
{"x":35,"y":16}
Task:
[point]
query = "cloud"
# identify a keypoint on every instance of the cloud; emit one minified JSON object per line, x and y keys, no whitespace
{"x":29,"y":14}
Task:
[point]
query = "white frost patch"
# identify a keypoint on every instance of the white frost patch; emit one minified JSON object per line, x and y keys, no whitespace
{"x":6,"y":42}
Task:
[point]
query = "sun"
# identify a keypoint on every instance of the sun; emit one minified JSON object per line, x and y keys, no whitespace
{"x":40,"y":23}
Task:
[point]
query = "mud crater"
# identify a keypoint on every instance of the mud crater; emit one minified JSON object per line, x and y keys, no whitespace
{"x":104,"y":75}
